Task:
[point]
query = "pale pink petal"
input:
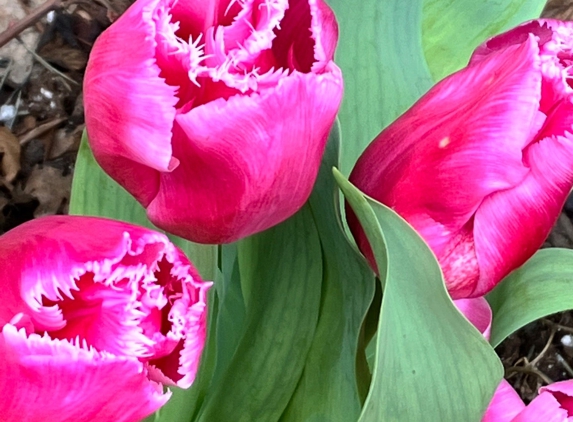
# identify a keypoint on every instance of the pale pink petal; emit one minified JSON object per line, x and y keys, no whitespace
{"x":54,"y":380}
{"x":244,"y":42}
{"x":478,"y":312}
{"x":505,"y":404}
{"x":324,"y":30}
{"x":240,"y":145}
{"x":130,"y":101}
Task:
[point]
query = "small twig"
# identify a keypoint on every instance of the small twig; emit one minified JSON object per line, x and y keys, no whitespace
{"x":28,"y":10}
{"x":46,"y":64}
{"x":6,"y":73}
{"x":558,"y":326}
{"x":109,"y":6}
{"x":40,"y":130}
{"x":10,"y":122}
{"x":564,"y":363}
{"x":29,"y":20}
{"x":545,"y":349}
{"x":529,"y":370}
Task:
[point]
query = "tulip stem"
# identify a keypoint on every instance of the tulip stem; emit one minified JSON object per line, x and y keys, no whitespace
{"x":528,"y":370}
{"x":535,"y":361}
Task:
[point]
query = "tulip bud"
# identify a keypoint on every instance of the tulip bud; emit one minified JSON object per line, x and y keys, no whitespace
{"x":214,"y":115}
{"x":482,"y":164}
{"x":96,"y":315}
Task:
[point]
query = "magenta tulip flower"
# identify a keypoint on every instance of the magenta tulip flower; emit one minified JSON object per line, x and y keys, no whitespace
{"x":553,"y":404}
{"x":482,"y":164}
{"x":96,"y":316}
{"x":214,"y":114}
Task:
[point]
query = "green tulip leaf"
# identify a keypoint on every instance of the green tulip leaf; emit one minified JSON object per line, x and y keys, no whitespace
{"x":540,"y":287}
{"x":382,"y":60}
{"x":281,"y":283}
{"x":452,"y":29}
{"x":326,"y":391}
{"x":95,"y":193}
{"x":431,"y":363}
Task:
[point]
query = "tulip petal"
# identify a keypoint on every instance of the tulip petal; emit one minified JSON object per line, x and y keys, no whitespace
{"x":240,"y":146}
{"x":518,"y":35}
{"x":563,"y":393}
{"x":535,"y":204}
{"x":49,"y":267}
{"x":545,"y":407}
{"x":478,"y":312}
{"x":505,"y":404}
{"x":48,"y":380}
{"x":130,"y":102}
{"x":446,"y":134}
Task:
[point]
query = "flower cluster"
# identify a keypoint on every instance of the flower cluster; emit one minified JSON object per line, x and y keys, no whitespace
{"x":214,"y":115}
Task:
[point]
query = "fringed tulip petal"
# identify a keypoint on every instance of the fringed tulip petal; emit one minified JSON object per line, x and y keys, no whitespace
{"x":87,"y":301}
{"x":505,"y":405}
{"x":65,"y":381}
{"x":480,"y":165}
{"x":238,"y":98}
{"x":235,"y":142}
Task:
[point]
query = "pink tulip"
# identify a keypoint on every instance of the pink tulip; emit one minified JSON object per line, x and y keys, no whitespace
{"x":481,"y":165}
{"x":553,"y":404}
{"x":95,"y":316}
{"x":214,"y":114}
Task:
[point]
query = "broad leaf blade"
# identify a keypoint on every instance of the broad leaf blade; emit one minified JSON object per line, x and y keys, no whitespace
{"x":452,"y":29}
{"x":380,"y":54}
{"x":431,"y":363}
{"x":326,"y":391}
{"x":281,"y":280}
{"x":541,"y":287}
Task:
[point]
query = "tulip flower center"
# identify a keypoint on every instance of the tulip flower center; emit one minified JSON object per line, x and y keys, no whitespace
{"x":230,"y":47}
{"x":134,"y":312}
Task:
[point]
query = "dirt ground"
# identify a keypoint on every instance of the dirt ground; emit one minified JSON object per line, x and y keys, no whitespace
{"x":41,"y":121}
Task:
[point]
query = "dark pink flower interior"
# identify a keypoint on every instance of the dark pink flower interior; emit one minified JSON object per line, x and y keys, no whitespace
{"x":565,"y":401}
{"x":138,"y":309}
{"x":232,"y":46}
